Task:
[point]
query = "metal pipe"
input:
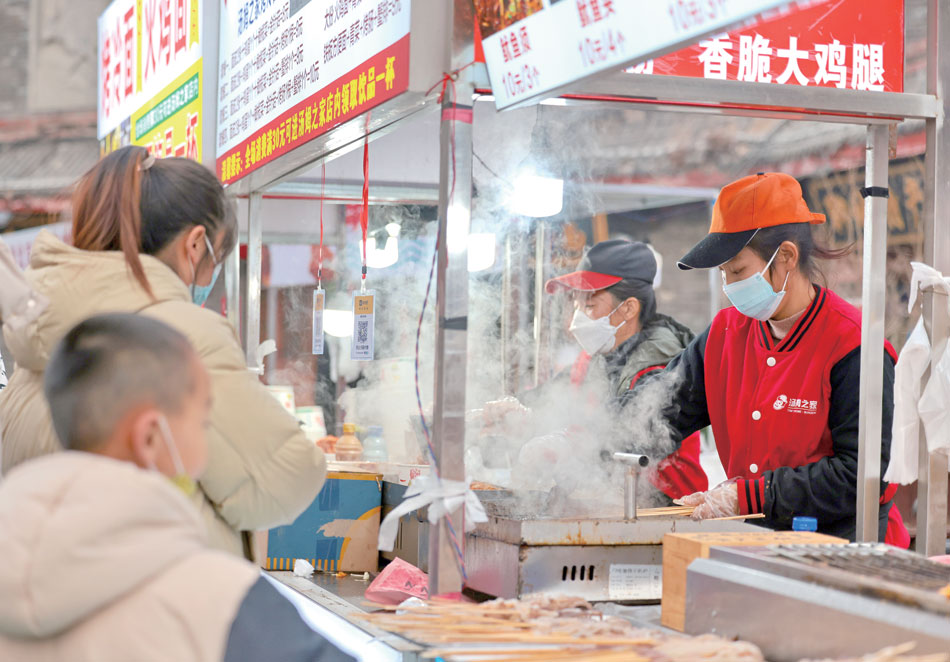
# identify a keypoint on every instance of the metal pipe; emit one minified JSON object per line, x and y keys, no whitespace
{"x":255,"y":254}
{"x":932,"y":481}
{"x":540,"y":235}
{"x":631,"y":481}
{"x":814,"y":104}
{"x":232,"y":288}
{"x":451,"y":350}
{"x":872,"y":337}
{"x":507,"y":379}
{"x":630,"y":493}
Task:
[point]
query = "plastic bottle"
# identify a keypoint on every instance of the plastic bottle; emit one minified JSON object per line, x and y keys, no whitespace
{"x":349,"y":448}
{"x":374,"y":447}
{"x":804,"y":524}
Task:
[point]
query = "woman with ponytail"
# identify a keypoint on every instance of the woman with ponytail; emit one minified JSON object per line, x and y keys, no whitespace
{"x":149,"y":237}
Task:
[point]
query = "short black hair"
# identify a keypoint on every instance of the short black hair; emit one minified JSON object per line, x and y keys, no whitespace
{"x":107,"y":365}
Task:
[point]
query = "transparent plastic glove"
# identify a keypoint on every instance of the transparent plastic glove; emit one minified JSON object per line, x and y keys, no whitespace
{"x":721,"y":501}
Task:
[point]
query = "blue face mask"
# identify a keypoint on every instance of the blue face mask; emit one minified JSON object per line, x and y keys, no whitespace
{"x":753,"y":296}
{"x":199,"y":293}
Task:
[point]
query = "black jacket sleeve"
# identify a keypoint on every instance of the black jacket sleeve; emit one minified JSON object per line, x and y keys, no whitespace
{"x":827,"y":489}
{"x":676,"y":395}
{"x":268,"y":627}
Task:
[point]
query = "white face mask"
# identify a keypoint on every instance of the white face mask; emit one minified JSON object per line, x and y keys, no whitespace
{"x":595,"y":336}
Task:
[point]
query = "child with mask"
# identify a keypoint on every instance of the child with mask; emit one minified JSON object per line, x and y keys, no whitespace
{"x":105,"y":557}
{"x":777,"y":375}
{"x":149,"y":237}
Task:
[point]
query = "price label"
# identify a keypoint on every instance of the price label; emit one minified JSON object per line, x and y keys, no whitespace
{"x":635,"y":582}
{"x":364,"y":318}
{"x":319,"y":302}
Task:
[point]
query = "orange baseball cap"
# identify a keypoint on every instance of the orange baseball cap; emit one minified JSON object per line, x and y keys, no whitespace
{"x":743,"y":208}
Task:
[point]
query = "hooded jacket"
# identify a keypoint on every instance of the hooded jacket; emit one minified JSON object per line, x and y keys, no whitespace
{"x":262,"y":472}
{"x":105,"y":562}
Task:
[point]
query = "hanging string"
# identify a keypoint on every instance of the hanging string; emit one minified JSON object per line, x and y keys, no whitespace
{"x":364,"y":213}
{"x":323,"y":192}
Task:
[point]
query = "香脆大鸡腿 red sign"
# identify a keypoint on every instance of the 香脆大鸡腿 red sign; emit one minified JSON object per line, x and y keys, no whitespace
{"x":829,"y":44}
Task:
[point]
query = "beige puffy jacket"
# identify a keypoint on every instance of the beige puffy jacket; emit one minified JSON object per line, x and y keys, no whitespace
{"x":104,"y":562}
{"x":262,"y":472}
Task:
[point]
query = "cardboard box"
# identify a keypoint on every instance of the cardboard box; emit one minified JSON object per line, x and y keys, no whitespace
{"x":338,"y":532}
{"x":681,"y":549}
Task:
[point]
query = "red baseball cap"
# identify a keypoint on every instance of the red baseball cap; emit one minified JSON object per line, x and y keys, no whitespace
{"x":743,"y":208}
{"x":606,"y":264}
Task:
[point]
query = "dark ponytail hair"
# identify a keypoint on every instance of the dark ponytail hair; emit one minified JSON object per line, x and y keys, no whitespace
{"x":133,"y":203}
{"x":637,"y":289}
{"x":767,"y":240}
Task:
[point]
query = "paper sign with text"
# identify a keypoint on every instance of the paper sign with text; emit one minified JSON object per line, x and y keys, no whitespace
{"x":291,"y":70}
{"x":319,"y":303}
{"x":364,"y":321}
{"x":557,"y":43}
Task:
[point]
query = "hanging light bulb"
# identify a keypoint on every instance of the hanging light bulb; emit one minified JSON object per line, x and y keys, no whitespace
{"x":380,"y":258}
{"x":536,"y":195}
{"x":338,"y":323}
{"x":481,"y":251}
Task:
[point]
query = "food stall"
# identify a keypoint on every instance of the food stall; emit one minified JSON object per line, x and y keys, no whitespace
{"x":366,"y":185}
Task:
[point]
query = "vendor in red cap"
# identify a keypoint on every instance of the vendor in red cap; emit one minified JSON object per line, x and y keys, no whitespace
{"x":615,"y":321}
{"x":777,"y":375}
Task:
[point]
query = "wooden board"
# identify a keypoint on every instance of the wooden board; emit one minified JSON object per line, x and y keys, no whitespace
{"x":681,"y":549}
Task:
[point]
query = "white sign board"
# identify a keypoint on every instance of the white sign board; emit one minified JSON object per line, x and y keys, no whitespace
{"x":290,"y":70}
{"x":567,"y":40}
{"x":144,"y":45}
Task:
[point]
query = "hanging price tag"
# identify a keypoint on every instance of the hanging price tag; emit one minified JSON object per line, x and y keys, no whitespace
{"x":364,"y":318}
{"x":319,"y":301}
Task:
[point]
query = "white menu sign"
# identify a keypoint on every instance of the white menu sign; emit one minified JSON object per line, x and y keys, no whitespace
{"x":563,"y":41}
{"x":290,"y":70}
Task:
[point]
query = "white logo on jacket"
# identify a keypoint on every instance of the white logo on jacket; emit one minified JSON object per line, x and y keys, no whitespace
{"x":795,"y":405}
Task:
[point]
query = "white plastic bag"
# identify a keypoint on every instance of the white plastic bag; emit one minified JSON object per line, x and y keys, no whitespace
{"x":905,"y":432}
{"x":934,"y":407}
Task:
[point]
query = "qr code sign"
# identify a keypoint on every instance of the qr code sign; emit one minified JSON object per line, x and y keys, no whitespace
{"x":362,"y":331}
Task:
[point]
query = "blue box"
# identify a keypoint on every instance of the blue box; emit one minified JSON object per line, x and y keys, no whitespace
{"x":338,"y":532}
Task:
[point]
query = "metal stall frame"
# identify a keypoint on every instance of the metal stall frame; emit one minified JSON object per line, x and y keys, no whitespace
{"x":445,"y":55}
{"x":877,"y":110}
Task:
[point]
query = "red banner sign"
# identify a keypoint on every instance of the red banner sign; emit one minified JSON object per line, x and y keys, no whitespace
{"x":850,"y":44}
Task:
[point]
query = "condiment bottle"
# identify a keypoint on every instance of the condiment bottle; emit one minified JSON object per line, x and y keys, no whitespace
{"x":374,"y":447}
{"x":349,"y":448}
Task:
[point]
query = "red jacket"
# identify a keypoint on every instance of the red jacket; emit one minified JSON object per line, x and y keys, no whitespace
{"x":785,"y":414}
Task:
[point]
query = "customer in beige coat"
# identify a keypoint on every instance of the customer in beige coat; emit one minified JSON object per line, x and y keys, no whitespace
{"x":148,"y":238}
{"x":104,"y":558}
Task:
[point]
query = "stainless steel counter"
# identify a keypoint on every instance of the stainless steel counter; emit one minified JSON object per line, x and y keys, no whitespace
{"x":331,"y":605}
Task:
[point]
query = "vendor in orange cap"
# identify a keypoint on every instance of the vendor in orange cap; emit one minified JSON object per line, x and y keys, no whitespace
{"x":777,"y":374}
{"x":616,"y":323}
